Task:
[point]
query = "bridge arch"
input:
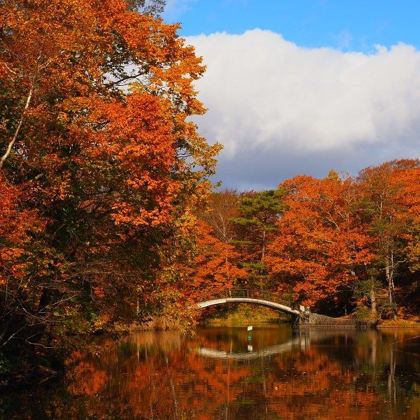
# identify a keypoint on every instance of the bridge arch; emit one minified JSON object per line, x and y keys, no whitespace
{"x":261,"y":302}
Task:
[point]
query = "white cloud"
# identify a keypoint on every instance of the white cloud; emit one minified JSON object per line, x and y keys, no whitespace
{"x":269,"y":95}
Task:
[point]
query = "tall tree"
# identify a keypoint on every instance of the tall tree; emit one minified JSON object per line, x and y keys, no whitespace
{"x":215,"y":267}
{"x":95,"y":98}
{"x":321,"y":244}
{"x":223,"y":208}
{"x":390,"y":203}
{"x":255,"y":228}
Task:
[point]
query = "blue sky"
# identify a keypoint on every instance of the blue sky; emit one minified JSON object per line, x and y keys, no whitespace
{"x":304,"y":86}
{"x":347,"y":24}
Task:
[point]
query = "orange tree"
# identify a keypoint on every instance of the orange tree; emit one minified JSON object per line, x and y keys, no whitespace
{"x":95,"y":140}
{"x":390,"y":206}
{"x":223,"y":208}
{"x":214,"y":267}
{"x":321,"y":245}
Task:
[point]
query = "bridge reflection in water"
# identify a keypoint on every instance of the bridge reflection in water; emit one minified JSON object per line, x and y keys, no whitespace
{"x":298,"y":343}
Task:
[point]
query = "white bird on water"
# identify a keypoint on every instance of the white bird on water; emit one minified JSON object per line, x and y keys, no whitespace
{"x":249,"y":328}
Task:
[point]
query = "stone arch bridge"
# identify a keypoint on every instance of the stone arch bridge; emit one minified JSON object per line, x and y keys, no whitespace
{"x":300,"y":315}
{"x":258,"y":297}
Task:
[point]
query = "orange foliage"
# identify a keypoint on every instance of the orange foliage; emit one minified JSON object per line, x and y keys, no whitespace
{"x":95,"y":100}
{"x":214,"y":268}
{"x":15,"y":228}
{"x":336,"y":232}
{"x":390,"y":203}
{"x":320,"y":242}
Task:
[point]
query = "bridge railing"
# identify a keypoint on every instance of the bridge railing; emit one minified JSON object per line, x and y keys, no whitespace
{"x":254,"y":294}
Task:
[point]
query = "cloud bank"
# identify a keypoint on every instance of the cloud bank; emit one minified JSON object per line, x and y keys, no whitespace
{"x":281,"y":110}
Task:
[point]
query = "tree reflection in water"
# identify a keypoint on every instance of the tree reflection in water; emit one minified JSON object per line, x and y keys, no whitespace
{"x":312,"y":375}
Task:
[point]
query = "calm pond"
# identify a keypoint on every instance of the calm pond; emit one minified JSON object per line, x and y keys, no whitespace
{"x":228,"y":373}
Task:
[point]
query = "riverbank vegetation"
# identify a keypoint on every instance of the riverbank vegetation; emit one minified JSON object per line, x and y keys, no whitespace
{"x":339,"y":245}
{"x":107,"y":214}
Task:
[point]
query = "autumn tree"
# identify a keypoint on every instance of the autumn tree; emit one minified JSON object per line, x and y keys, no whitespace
{"x":19,"y":253}
{"x":95,"y":138}
{"x":215,"y":267}
{"x":390,"y":204}
{"x":222,"y":209}
{"x":320,"y":247}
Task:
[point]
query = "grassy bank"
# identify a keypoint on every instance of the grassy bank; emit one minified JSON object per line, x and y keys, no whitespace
{"x":398,"y":323}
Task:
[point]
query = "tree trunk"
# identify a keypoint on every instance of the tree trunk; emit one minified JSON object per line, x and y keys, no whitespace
{"x":263,"y":248}
{"x":389,"y":273}
{"x":373,"y":305}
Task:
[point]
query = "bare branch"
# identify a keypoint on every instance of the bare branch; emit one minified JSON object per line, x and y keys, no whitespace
{"x":9,"y":69}
{"x":15,"y":136}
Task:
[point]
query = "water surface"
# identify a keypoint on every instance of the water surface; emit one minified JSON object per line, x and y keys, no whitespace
{"x":228,"y":373}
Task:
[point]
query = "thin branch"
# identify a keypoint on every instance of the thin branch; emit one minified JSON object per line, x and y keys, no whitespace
{"x":124,"y":79}
{"x":9,"y":69}
{"x":39,"y":344}
{"x":12,"y":142}
{"x":11,"y":336}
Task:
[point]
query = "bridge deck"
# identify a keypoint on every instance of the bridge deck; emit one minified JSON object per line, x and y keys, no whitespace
{"x":261,"y":302}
